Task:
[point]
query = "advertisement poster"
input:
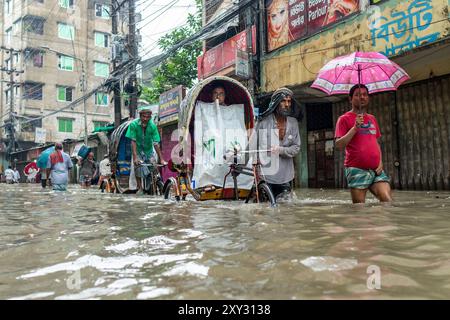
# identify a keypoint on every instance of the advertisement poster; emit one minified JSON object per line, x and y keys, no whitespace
{"x":289,"y":20}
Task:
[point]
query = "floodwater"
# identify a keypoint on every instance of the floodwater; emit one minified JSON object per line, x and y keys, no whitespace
{"x":83,"y":244}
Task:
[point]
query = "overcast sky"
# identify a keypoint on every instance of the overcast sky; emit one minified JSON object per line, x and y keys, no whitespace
{"x":160,"y":17}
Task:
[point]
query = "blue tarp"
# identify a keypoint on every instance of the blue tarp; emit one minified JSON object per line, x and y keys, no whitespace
{"x":43,"y":157}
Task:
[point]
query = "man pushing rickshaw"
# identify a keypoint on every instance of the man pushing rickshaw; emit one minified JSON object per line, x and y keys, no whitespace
{"x":219,"y":145}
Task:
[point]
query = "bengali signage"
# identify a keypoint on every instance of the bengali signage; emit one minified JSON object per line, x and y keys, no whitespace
{"x":289,"y":20}
{"x":169,"y":104}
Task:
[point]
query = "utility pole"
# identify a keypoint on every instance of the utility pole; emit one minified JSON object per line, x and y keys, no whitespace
{"x":83,"y":90}
{"x":116,"y":85}
{"x":132,"y":45}
{"x":10,"y":127}
{"x":249,"y":13}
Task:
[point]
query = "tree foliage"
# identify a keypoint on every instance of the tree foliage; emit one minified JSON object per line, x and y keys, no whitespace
{"x":181,"y":67}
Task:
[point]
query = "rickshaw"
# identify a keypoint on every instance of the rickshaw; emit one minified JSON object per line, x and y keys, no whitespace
{"x":241,"y":180}
{"x":122,"y":169}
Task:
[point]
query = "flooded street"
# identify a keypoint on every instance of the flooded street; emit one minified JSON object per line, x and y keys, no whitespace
{"x":83,"y":244}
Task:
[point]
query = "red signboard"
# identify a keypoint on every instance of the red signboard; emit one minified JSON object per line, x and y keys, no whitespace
{"x":223,"y":55}
{"x":289,"y":20}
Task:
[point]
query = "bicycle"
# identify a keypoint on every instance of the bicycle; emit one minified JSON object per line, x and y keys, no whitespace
{"x":180,"y":186}
{"x":260,"y":191}
{"x":152,"y":182}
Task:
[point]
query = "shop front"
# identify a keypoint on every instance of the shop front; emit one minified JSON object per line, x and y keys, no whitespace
{"x":414,"y":120}
{"x":169,"y":106}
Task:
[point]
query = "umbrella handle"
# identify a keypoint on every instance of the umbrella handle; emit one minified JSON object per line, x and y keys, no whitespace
{"x":359,"y":89}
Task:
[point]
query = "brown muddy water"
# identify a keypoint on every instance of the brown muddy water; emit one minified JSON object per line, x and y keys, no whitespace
{"x":82,"y":244}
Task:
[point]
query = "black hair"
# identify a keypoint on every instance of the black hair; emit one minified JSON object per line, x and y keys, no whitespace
{"x":356,"y":86}
{"x":218,"y":85}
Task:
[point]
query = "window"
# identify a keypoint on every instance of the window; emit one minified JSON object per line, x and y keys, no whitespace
{"x":16,"y":59}
{"x":38,"y":59}
{"x":102,"y":11}
{"x":66,"y":31}
{"x":64,"y":94}
{"x":101,"y":39}
{"x":8,"y":35}
{"x":32,"y":125}
{"x":17,"y":91}
{"x":65,"y":125}
{"x":7,"y":96}
{"x":65,"y":63}
{"x":32,"y":90}
{"x":66,"y":4}
{"x":8,"y":6}
{"x":100,"y":124}
{"x":101,"y":98}
{"x":33,"y":24}
{"x":34,"y":57}
{"x":8,"y":63}
{"x":101,"y":69}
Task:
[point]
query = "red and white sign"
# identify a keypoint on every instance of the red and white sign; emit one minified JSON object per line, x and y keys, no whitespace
{"x":224,"y":55}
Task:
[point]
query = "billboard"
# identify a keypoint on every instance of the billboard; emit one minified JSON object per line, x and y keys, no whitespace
{"x":224,"y":54}
{"x":289,"y":20}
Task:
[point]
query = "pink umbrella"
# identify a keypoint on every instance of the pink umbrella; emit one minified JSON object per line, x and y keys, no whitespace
{"x":372,"y":69}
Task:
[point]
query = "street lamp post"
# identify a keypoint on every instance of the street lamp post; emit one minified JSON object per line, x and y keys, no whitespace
{"x":82,"y":87}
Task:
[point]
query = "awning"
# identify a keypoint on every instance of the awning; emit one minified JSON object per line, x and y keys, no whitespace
{"x":104,"y":129}
{"x":221,"y":29}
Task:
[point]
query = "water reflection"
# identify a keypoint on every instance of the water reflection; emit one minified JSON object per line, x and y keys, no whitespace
{"x":82,"y":244}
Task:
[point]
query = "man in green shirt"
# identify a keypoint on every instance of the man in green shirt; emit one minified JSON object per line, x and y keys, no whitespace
{"x":144,"y":137}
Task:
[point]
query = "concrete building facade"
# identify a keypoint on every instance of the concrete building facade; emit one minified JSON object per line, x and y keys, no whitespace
{"x":63,"y":49}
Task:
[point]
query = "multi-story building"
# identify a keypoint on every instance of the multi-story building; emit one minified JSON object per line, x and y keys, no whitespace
{"x":63,"y":49}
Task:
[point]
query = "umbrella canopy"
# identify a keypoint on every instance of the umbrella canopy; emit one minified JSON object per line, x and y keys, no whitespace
{"x":372,"y":69}
{"x":43,"y":157}
{"x":31,"y":169}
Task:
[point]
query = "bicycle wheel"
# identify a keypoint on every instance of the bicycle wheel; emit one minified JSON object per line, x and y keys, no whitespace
{"x":169,"y":190}
{"x":264,"y":192}
{"x":159,"y":187}
{"x":147,"y":184}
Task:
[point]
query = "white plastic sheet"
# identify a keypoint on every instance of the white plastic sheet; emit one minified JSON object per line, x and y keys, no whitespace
{"x":218,"y":129}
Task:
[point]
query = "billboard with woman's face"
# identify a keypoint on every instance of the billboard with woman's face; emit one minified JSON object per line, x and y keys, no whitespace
{"x":289,"y":20}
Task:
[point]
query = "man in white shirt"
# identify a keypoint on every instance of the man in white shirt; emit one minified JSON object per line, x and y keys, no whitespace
{"x":9,"y":175}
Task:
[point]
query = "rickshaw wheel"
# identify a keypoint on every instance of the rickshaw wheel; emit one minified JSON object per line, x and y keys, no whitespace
{"x":160,"y":187}
{"x":169,"y":191}
{"x":265,"y":194}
